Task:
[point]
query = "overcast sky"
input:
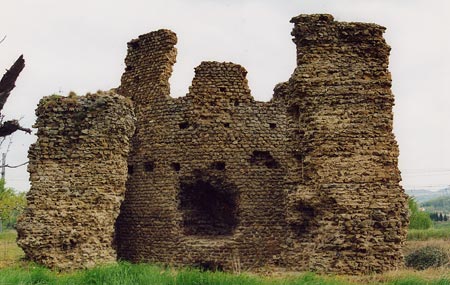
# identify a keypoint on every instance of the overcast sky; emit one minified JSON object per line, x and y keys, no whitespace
{"x":81,"y":45}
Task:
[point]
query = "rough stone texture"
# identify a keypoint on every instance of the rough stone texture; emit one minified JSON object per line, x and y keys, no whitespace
{"x":307,"y":181}
{"x":204,"y":169}
{"x":77,"y":171}
{"x":348,"y":210}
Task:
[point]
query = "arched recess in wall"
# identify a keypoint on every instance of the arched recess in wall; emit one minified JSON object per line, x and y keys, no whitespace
{"x":209,"y":205}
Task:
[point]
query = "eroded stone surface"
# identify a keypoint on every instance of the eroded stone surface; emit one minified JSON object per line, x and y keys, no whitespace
{"x":311,"y":177}
{"x":307,"y":181}
{"x":77,"y":171}
{"x":348,"y":211}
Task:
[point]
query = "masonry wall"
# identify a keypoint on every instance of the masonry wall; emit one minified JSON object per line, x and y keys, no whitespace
{"x":308,"y":181}
{"x":348,"y":213}
{"x":205,"y":169}
{"x":77,"y":171}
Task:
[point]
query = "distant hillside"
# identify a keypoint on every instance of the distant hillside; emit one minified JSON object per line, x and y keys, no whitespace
{"x":422,"y":195}
{"x":440,"y":204}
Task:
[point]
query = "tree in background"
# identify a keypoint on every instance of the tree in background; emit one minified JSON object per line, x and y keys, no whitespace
{"x":439,"y":204}
{"x":418,"y":220}
{"x":438,"y":217}
{"x":12,"y":205}
{"x":433,"y":216}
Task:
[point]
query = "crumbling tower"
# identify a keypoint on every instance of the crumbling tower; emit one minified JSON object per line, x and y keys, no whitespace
{"x":78,"y":169}
{"x":348,"y":209}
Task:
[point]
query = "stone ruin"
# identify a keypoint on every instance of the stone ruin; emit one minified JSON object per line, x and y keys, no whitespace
{"x":306,"y":181}
{"x":78,"y":171}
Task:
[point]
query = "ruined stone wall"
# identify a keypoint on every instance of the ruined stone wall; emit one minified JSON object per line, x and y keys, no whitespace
{"x":307,"y":181}
{"x":204,"y":171}
{"x":348,"y":212}
{"x":78,"y":171}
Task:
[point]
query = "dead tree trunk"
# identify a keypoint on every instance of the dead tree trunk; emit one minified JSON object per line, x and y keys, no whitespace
{"x":7,"y":83}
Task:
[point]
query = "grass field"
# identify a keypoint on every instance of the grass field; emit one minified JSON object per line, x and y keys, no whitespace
{"x":14,"y":271}
{"x":439,"y":231}
{"x":134,"y":274}
{"x":10,"y":253}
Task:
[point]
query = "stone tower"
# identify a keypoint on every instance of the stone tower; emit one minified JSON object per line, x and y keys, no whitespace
{"x":78,"y":169}
{"x":348,"y":210}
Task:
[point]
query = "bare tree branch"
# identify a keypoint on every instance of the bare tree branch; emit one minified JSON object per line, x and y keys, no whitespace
{"x":7,"y":83}
{"x":10,"y":127}
{"x":3,"y":39}
{"x":16,"y":166}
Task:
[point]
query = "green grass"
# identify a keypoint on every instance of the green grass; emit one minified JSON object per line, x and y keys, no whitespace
{"x":134,"y":274}
{"x":442,"y":225}
{"x":124,"y":273}
{"x":8,"y":236}
{"x":10,"y":253}
{"x":419,"y":281}
{"x":439,"y":231}
{"x":429,"y":234}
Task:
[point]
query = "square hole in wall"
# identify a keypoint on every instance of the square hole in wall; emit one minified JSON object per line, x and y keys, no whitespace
{"x":149,"y":166}
{"x":209,"y":207}
{"x":218,"y":165}
{"x":183,"y":125}
{"x":265,"y":158}
{"x":294,"y":112}
{"x":176,"y":166}
{"x":130,"y":169}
